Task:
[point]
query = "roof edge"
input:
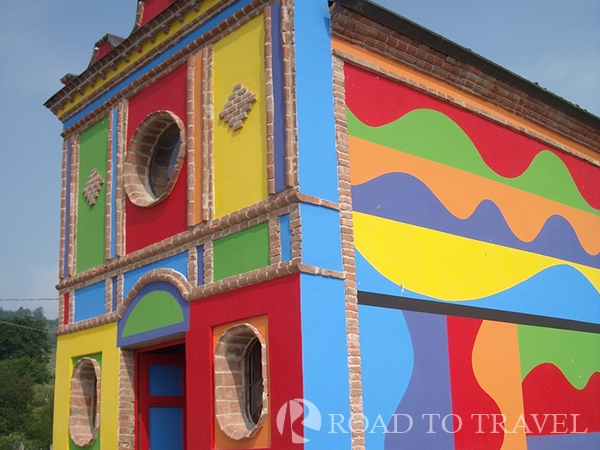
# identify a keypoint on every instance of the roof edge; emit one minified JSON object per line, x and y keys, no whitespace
{"x":138,"y":37}
{"x":398,"y":23}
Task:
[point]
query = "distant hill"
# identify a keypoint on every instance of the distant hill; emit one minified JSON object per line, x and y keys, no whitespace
{"x":37,"y":314}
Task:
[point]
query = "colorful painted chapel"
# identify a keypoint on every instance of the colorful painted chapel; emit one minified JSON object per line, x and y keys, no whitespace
{"x":310,"y":224}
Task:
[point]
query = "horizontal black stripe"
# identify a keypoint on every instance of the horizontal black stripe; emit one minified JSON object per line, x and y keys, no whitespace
{"x":453,"y":309}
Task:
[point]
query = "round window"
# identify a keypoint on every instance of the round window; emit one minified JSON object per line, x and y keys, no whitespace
{"x":164,"y":158}
{"x":240,"y":374}
{"x":154,"y":158}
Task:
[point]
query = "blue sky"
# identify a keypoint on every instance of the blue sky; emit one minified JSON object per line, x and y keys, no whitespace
{"x":553,"y":42}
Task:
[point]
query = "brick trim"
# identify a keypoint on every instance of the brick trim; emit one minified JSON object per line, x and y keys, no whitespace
{"x":110,"y":180}
{"x":274,"y":241}
{"x":271,"y":207}
{"x":289,"y":92}
{"x":191,"y":293}
{"x":74,"y":201}
{"x":392,"y":44}
{"x":108,"y":295}
{"x":194,"y":145}
{"x":126,"y":400}
{"x":461,"y":104}
{"x":209,"y":271}
{"x":348,"y":258}
{"x":207,"y":134}
{"x":64,"y":201}
{"x":120,"y":200}
{"x":168,"y":275}
{"x":269,"y":100}
{"x":192,"y":266}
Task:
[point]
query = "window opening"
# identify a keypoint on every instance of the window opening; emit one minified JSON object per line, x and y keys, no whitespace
{"x":164,"y":158}
{"x":254,"y":386}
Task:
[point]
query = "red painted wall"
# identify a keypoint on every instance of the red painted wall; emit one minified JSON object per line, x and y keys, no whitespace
{"x":279,"y":299}
{"x":145,"y":226}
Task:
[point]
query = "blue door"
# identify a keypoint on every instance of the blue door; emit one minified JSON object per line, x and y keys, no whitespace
{"x":162,"y":401}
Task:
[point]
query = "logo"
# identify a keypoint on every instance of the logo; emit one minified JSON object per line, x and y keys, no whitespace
{"x":296,"y":409}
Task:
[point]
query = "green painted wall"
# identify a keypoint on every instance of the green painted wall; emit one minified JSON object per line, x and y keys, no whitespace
{"x":91,"y":220}
{"x":241,"y":252}
{"x":156,"y":310}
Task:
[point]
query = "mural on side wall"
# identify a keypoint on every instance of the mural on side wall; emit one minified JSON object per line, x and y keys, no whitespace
{"x":460,"y":221}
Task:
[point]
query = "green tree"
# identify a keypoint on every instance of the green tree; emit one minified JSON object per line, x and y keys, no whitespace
{"x":39,"y":427}
{"x":24,"y":337}
{"x":16,"y":396}
{"x":25,"y":393}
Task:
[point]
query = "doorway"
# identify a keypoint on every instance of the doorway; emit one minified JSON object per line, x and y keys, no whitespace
{"x":161,"y":394}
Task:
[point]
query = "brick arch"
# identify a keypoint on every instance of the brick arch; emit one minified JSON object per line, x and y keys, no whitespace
{"x":171,"y":276}
{"x":139,"y":155}
{"x":166,"y":292}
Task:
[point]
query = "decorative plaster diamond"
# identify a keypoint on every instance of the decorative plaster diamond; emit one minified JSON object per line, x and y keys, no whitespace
{"x":92,"y":187}
{"x":238,"y":106}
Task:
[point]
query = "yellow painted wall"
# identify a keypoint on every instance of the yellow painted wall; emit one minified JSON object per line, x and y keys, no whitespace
{"x":240,"y":157}
{"x":98,"y":340}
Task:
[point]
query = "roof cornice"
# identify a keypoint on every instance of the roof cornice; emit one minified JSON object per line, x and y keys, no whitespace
{"x":402,"y":25}
{"x":122,"y":52}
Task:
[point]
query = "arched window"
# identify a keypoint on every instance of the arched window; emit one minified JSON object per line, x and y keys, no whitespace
{"x":254,"y":380}
{"x":84,"y":411}
{"x":241,"y":385}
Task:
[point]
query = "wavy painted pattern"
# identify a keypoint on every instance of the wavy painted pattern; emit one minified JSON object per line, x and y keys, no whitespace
{"x":386,"y":370}
{"x":468,"y":397}
{"x":404,"y":198}
{"x":575,"y":354}
{"x":584,"y":441}
{"x":429,"y":388}
{"x":462,"y":192}
{"x":444,"y":266}
{"x":377,"y":101}
{"x":550,"y":293}
{"x":547,"y":391}
{"x":495,"y":360}
{"x":434,"y":136}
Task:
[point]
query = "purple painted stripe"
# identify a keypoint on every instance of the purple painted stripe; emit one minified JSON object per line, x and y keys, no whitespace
{"x":583,"y":441}
{"x":428,"y":391}
{"x":278,"y":99}
{"x":404,"y":198}
{"x":200,"y":262}
{"x":114,"y":293}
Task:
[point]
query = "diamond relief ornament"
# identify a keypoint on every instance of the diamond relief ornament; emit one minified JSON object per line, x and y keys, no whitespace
{"x":92,"y":187}
{"x":238,"y":106}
